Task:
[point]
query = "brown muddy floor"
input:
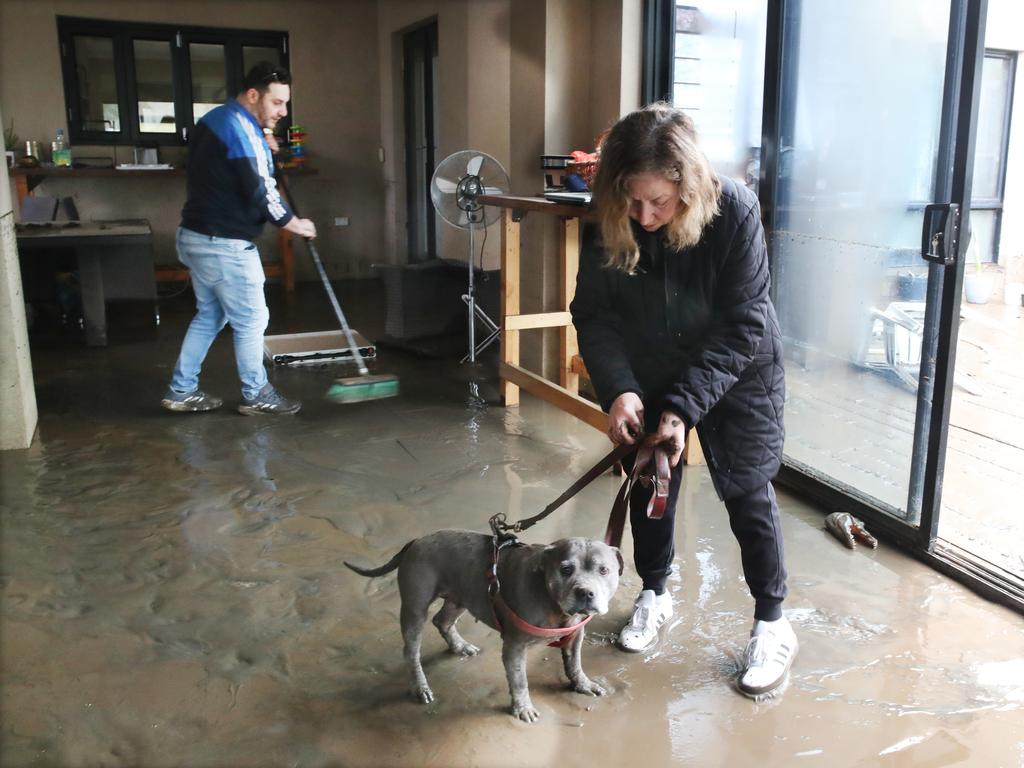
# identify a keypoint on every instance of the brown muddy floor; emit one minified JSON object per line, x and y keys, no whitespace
{"x":173,"y":593}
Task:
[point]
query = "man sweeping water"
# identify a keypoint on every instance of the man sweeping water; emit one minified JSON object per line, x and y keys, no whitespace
{"x":231,"y":194}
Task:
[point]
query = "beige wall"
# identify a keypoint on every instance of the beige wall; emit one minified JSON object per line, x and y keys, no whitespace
{"x":333,"y":49}
{"x":473,"y":101}
{"x":518,"y":79}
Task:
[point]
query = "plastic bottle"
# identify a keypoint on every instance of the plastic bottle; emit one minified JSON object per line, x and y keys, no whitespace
{"x":60,"y":151}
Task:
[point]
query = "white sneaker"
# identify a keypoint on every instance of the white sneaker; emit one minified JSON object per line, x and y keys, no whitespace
{"x":769,"y":654}
{"x":650,"y":611}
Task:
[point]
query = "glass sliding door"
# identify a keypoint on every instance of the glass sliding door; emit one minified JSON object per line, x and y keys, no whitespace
{"x":863,"y":106}
{"x":984,"y":465}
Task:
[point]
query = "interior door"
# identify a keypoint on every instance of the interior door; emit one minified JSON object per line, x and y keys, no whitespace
{"x":421,"y":115}
{"x":867,"y":147}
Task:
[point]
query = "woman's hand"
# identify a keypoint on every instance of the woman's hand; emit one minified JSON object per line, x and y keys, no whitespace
{"x":626,"y":419}
{"x":671,"y":435}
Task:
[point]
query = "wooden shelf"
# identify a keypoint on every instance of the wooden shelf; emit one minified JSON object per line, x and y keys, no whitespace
{"x":27,"y":179}
{"x":57,"y":172}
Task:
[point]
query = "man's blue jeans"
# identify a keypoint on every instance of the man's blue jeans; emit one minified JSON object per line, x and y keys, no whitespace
{"x":227,"y":278}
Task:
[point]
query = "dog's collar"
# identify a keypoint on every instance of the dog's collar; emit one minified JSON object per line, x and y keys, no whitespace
{"x":560,"y":636}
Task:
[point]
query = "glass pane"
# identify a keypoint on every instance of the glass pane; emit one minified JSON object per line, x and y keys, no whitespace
{"x":988,"y":153}
{"x":983,"y":232}
{"x":97,"y":84}
{"x":254,"y":54}
{"x":154,"y":86}
{"x":718,"y":79}
{"x":209,"y":77}
{"x":858,"y":144}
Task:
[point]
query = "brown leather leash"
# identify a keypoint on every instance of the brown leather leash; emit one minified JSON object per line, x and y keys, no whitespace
{"x":657,"y":478}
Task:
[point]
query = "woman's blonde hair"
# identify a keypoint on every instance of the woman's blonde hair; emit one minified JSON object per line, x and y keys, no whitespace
{"x":657,"y":139}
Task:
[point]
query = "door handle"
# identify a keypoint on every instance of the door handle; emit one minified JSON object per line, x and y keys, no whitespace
{"x":940,"y":233}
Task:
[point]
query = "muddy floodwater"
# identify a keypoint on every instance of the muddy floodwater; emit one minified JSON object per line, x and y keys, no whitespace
{"x":173,"y":595}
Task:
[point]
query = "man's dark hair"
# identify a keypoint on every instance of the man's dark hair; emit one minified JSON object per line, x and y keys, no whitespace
{"x":263,"y":74}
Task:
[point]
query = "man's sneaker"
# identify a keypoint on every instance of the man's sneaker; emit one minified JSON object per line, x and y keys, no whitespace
{"x":269,"y":400}
{"x":186,"y":402}
{"x":769,"y":654}
{"x":649,"y":612}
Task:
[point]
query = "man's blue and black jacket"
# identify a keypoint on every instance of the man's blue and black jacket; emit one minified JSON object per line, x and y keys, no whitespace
{"x":231,"y":190}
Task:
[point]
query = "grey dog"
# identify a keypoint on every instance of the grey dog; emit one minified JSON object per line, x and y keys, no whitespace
{"x":557,"y":585}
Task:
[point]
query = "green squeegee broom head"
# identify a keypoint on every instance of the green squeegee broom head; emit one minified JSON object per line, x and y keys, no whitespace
{"x":359,"y":389}
{"x":355,"y":389}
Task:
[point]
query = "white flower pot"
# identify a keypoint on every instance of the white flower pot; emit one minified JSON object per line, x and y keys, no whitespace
{"x":977,"y":287}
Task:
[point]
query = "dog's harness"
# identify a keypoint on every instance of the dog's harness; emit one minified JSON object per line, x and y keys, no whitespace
{"x":562,"y":636}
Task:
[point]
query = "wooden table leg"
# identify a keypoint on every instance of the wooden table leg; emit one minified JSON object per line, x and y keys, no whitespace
{"x":287,"y":258}
{"x":509,"y":300}
{"x":21,"y":189}
{"x":693,"y":455}
{"x":568,"y":267}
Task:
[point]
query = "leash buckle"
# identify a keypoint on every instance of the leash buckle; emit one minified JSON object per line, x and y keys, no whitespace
{"x":498,"y":524}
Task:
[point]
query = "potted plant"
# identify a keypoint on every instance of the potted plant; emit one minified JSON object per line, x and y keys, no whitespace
{"x":977,"y":284}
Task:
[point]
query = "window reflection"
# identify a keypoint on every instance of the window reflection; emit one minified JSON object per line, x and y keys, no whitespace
{"x":718,"y":79}
{"x":97,"y":84}
{"x":209,"y":77}
{"x":254,"y":54}
{"x":154,"y":86}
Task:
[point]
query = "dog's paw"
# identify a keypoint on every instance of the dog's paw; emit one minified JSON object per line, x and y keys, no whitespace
{"x":587,"y":686}
{"x":525,"y":712}
{"x":466,"y":649}
{"x":423,"y":694}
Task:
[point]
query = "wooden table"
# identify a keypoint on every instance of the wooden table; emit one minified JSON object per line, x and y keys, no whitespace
{"x":115,"y":261}
{"x":26,"y":179}
{"x":564,"y":394}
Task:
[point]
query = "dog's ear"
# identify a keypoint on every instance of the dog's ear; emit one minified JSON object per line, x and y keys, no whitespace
{"x":547,"y":557}
{"x":618,"y":555}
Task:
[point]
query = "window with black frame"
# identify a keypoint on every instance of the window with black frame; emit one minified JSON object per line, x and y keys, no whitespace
{"x":707,"y":58}
{"x":149,"y":84}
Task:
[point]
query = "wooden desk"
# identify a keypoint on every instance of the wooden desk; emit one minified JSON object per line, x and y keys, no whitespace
{"x":564,"y":394}
{"x":115,"y":261}
{"x":27,"y":179}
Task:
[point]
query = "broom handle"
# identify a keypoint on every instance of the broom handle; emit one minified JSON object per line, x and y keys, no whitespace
{"x":353,"y":347}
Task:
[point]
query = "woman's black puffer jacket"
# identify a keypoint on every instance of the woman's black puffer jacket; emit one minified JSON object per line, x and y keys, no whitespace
{"x":695,"y":332}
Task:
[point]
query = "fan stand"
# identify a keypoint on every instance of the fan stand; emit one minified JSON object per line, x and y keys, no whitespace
{"x":468,"y":189}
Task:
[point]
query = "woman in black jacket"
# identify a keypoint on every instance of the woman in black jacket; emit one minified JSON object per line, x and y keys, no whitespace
{"x":677,"y":330}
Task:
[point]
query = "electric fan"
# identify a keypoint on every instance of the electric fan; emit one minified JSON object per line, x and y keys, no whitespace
{"x":457,"y":183}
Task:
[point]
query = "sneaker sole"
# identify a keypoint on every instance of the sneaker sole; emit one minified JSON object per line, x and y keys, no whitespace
{"x":764,"y":690}
{"x":248,"y":411}
{"x":177,"y":407}
{"x":650,"y":646}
